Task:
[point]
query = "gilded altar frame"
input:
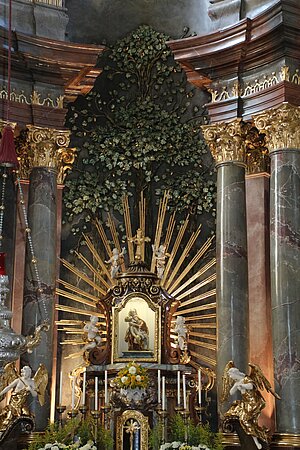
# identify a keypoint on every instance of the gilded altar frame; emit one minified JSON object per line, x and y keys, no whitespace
{"x":143,"y":423}
{"x":153,"y":319}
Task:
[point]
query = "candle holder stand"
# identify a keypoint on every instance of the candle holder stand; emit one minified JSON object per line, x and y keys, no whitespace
{"x":96,"y":414}
{"x":185,"y":413}
{"x":201,"y":411}
{"x":83,"y":409}
{"x":72,"y":413}
{"x":60,"y":410}
{"x":162,"y":414}
{"x":106,"y":410}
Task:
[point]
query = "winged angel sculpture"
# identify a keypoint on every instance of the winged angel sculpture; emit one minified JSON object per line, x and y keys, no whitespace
{"x":21,"y":385}
{"x":248,"y":409}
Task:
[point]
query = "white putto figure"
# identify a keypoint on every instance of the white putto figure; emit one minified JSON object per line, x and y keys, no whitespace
{"x":92,"y":334}
{"x":160,"y":256}
{"x":115,"y":261}
{"x":181,"y":329}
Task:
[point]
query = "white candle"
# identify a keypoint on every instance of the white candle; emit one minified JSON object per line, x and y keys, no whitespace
{"x":178,"y":388}
{"x":60,"y":388}
{"x":163,"y":393}
{"x":73,"y":394}
{"x":83,"y":387}
{"x":199,"y":386}
{"x":96,"y":393}
{"x":105,"y":388}
{"x":184,"y":391}
{"x":158,"y":387}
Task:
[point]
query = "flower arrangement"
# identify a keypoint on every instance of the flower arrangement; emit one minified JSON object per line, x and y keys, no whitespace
{"x":182,"y":446}
{"x":90,"y":445}
{"x":132,"y":376}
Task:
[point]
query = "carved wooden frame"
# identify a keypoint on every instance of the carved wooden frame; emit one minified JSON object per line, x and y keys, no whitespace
{"x":143,"y":422}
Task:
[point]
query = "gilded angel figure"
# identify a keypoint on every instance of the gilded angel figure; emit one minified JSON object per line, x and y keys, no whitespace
{"x":22,"y":386}
{"x":248,"y":409}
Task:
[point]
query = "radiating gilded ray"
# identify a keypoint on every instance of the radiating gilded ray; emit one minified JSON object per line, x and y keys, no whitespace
{"x":202,"y":344}
{"x":191,"y":264}
{"x":203,"y":358}
{"x":159,"y":226}
{"x":170,"y":230}
{"x":79,"y":291}
{"x":128,"y":228}
{"x":213,"y":337}
{"x":82,"y":312}
{"x":81,"y":275}
{"x":142,"y":214}
{"x":75,"y":298}
{"x":197,"y":286}
{"x":183,"y":255}
{"x":203,"y":317}
{"x":103,"y":237}
{"x":198,"y":298}
{"x":97,"y":257}
{"x":72,"y":342}
{"x":203,"y":325}
{"x":174,"y":250}
{"x":69,"y":322}
{"x":95,"y":272}
{"x":196,"y":309}
{"x":194,"y":277}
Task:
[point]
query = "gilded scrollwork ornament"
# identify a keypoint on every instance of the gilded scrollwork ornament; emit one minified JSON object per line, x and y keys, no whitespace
{"x":281,"y":126}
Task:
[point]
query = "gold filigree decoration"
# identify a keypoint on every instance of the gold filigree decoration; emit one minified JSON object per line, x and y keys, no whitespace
{"x":257,"y":154}
{"x":137,"y":423}
{"x":34,"y":99}
{"x":227,"y":140}
{"x":281,"y":126}
{"x":258,"y":85}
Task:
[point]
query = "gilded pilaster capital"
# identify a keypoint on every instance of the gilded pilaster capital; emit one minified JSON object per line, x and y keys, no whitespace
{"x":281,"y":126}
{"x":227,"y":141}
{"x":45,"y":147}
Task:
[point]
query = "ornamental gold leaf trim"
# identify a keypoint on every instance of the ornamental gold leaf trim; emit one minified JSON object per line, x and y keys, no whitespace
{"x":34,"y":99}
{"x":281,"y":126}
{"x":227,"y":141}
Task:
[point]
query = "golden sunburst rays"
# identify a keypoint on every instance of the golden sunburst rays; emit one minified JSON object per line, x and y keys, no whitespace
{"x":188,"y":276}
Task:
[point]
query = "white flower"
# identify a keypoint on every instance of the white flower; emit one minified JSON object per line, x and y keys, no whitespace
{"x":138,"y":378}
{"x":176,"y":444}
{"x":132,"y":370}
{"x":124,"y":379}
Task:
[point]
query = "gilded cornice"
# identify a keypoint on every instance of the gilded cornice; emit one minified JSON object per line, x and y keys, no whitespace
{"x":45,"y":147}
{"x":281,"y":126}
{"x":34,"y":99}
{"x":227,"y":141}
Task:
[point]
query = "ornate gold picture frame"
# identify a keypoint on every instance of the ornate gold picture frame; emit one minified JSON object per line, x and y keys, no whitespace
{"x":132,"y":425}
{"x":136,"y":329}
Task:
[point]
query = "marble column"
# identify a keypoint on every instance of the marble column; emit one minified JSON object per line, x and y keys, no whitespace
{"x":228,"y":147}
{"x":282,"y":128}
{"x":46,"y":159}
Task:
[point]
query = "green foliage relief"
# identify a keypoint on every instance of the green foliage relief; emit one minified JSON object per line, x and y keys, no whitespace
{"x":138,"y":130}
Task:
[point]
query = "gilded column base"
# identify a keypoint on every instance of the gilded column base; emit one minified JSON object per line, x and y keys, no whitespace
{"x":285,"y":440}
{"x":230,"y":441}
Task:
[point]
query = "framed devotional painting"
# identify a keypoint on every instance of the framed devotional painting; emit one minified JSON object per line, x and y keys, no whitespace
{"x":136,"y":333}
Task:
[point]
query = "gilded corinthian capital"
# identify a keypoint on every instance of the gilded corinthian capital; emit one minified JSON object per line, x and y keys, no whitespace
{"x":281,"y":126}
{"x":45,"y":147}
{"x":227,"y":141}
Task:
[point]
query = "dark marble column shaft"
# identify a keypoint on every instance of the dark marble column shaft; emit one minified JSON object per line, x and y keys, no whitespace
{"x":282,"y":128}
{"x":40,"y":307}
{"x":285,"y":284}
{"x":232,"y":272}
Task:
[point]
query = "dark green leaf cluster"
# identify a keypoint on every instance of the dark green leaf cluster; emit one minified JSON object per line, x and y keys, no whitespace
{"x":136,"y":131}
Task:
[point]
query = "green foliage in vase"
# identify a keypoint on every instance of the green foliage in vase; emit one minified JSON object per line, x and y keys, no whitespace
{"x":73,"y":430}
{"x":138,"y":130}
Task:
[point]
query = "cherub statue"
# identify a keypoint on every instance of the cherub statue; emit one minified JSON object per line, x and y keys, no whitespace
{"x":138,"y":240}
{"x":91,"y":334}
{"x":248,"y":409}
{"x":115,"y":261}
{"x":160,"y":259}
{"x":181,"y":329}
{"x":21,"y":385}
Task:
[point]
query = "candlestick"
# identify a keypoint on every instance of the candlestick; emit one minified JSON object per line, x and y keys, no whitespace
{"x":60,"y":389}
{"x":184,"y":391}
{"x":105,"y":388}
{"x":199,"y":386}
{"x":178,"y":388}
{"x":163,"y":394}
{"x":83,"y":387}
{"x":158,"y":387}
{"x":73,"y":394}
{"x":96,"y":393}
